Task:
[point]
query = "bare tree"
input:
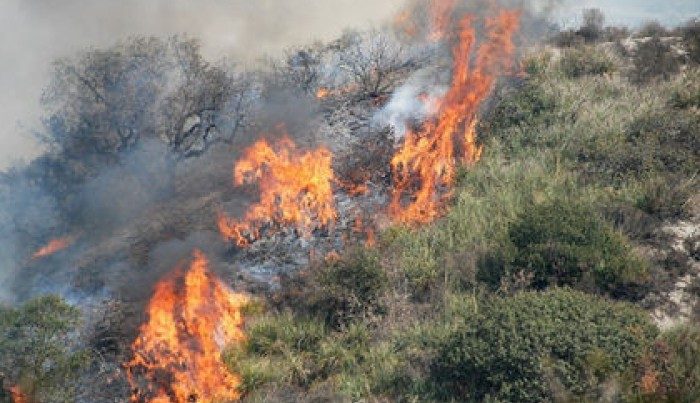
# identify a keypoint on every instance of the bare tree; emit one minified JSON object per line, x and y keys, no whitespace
{"x":374,"y":61}
{"x":301,"y":68}
{"x":105,"y":102}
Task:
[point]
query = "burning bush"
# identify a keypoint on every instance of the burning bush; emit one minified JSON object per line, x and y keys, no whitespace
{"x":191,"y":318}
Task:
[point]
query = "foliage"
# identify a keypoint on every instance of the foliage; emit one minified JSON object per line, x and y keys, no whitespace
{"x":579,"y":62}
{"x":524,"y":347}
{"x":102,"y":103}
{"x":564,"y":243}
{"x":670,"y":370}
{"x":37,"y":349}
{"x":654,"y":59}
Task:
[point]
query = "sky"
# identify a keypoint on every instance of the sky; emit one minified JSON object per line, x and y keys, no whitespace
{"x":33,"y":33}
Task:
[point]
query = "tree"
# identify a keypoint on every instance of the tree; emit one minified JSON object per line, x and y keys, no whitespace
{"x":103,"y":103}
{"x":592,"y":26}
{"x":373,"y":61}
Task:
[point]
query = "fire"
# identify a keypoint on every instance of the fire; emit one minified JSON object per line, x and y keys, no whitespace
{"x":440,"y":13}
{"x":425,"y":166}
{"x":295,"y":190}
{"x":322,"y":92}
{"x":191,"y":317}
{"x":325,"y":92}
{"x":17,"y":395}
{"x":53,"y":246}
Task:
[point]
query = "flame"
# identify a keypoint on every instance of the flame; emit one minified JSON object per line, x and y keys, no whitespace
{"x":17,"y":395}
{"x":325,"y":92}
{"x":426,"y":159}
{"x":295,"y":190}
{"x":191,"y":317}
{"x":440,"y":13}
{"x":54,"y":245}
{"x":322,"y":92}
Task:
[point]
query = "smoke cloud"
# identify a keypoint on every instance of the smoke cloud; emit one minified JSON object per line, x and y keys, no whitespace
{"x":33,"y":33}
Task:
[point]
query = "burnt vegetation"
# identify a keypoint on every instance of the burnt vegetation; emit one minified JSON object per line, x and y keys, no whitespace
{"x":552,"y":276}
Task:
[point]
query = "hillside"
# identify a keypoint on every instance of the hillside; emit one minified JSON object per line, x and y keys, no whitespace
{"x":453,"y":207}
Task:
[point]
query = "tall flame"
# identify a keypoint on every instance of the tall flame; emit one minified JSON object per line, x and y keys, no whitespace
{"x":54,"y":245}
{"x":295,"y":189}
{"x":191,"y":317}
{"x":424,"y":167}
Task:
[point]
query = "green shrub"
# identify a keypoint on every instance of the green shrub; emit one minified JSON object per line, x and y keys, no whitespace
{"x":567,"y":243}
{"x":38,"y":351}
{"x":578,"y":62}
{"x":348,"y":288}
{"x":524,"y":348}
{"x":660,"y":142}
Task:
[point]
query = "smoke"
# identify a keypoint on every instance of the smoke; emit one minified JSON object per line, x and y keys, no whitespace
{"x":33,"y":33}
{"x":411,"y":103}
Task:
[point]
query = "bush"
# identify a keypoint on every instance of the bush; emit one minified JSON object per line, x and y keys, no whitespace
{"x":654,"y":59}
{"x":687,"y":93}
{"x":665,"y":196}
{"x":526,"y":347}
{"x":566,"y":243}
{"x":339,"y":290}
{"x":670,"y":370}
{"x":660,"y":142}
{"x":348,"y":288}
{"x":38,"y":353}
{"x":691,"y":39}
{"x":580,"y":62}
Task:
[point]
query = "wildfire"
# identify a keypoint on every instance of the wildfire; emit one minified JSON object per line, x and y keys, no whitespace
{"x":53,"y":246}
{"x":424,"y":167}
{"x":325,"y":92}
{"x":440,"y":13}
{"x":191,"y":317}
{"x":295,"y":190}
{"x":17,"y":395}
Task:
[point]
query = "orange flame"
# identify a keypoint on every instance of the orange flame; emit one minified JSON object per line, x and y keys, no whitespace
{"x":325,"y":92}
{"x":426,"y":159}
{"x":191,"y":317}
{"x":295,"y":189}
{"x":322,"y":92}
{"x":17,"y":395}
{"x":53,"y":246}
{"x":440,"y":12}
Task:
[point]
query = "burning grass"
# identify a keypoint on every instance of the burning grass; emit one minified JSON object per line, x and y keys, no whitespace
{"x":424,"y":167}
{"x":177,"y":355}
{"x":295,"y":190}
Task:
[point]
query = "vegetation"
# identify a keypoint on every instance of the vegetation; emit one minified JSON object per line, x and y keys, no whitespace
{"x":37,"y":350}
{"x":534,"y":346}
{"x":530,"y":287}
{"x":583,"y":159}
